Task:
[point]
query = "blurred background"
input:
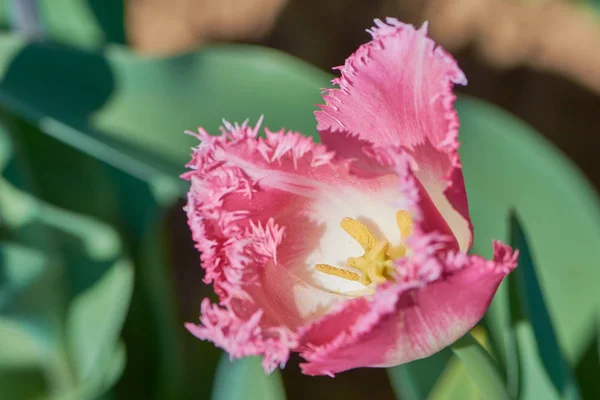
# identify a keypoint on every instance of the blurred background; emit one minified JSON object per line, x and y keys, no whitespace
{"x":98,"y":271}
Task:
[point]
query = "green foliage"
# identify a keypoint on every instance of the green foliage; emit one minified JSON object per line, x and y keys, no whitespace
{"x":245,"y":379}
{"x":416,"y":380}
{"x":61,"y":272}
{"x":91,"y":147}
{"x":480,"y":366}
{"x":530,"y":326}
{"x":88,"y":24}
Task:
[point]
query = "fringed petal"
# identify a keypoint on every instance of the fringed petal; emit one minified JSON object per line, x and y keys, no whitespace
{"x":266,"y":212}
{"x":438,"y":299}
{"x":257,"y":209}
{"x":232,"y":212}
{"x":397,"y":90}
{"x":244,"y":337}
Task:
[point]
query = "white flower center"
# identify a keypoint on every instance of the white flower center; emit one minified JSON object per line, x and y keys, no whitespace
{"x":356,"y":251}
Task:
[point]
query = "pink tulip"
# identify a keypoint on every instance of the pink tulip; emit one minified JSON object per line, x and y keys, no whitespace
{"x":351,"y":252}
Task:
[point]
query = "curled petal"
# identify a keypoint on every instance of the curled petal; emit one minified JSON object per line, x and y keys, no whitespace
{"x":397,"y":90}
{"x":438,"y":302}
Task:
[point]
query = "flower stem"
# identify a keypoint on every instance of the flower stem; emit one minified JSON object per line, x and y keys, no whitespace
{"x":481,"y":367}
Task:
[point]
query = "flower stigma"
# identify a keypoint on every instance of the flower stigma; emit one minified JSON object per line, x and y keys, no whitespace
{"x":376,"y":264}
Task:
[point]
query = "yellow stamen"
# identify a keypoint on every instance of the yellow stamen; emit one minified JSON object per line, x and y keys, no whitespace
{"x":396,"y":252}
{"x":376,"y":264}
{"x":378,"y":251}
{"x":339,"y":272}
{"x":405,"y":223}
{"x":359,"y":232}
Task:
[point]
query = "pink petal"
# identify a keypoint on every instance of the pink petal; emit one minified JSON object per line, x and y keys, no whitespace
{"x":441,"y":300}
{"x":231,"y":212}
{"x":397,"y":90}
{"x":243,"y":337}
{"x":248,"y":209}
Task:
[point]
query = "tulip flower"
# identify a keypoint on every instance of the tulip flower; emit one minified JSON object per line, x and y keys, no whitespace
{"x":352,"y":251}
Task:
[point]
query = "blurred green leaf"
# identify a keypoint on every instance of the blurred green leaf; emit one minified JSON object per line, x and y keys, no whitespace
{"x":19,"y":267}
{"x":559,"y":207}
{"x":96,"y":316}
{"x":533,"y":381}
{"x":71,"y":21}
{"x":455,"y":383}
{"x":89,"y":282}
{"x":246,"y":379}
{"x":96,"y":312}
{"x":21,"y":345}
{"x":22,"y":384}
{"x":82,"y":23}
{"x":528,"y":303}
{"x":588,"y":368}
{"x":138,"y":124}
{"x":110,"y":369}
{"x":18,"y":348}
{"x":416,"y":380}
{"x":481,"y":367}
{"x":231,"y":81}
{"x":115,"y":367}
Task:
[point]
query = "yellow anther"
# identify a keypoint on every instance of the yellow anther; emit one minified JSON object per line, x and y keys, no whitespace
{"x":405,"y":223}
{"x":339,"y":272}
{"x":359,"y":232}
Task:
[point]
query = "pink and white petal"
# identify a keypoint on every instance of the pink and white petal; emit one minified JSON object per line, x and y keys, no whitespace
{"x":238,"y":214}
{"x":246,"y":336}
{"x":263,"y":212}
{"x":367,"y":160}
{"x":329,"y":345}
{"x":415,"y":318}
{"x":397,"y":90}
{"x":435,"y":316}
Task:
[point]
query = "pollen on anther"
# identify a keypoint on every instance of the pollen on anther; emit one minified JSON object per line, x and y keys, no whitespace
{"x":359,"y":232}
{"x":404,"y":222}
{"x":339,"y":272}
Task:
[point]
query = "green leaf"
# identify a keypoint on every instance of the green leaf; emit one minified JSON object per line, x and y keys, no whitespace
{"x":19,"y":267}
{"x":555,"y":202}
{"x":92,"y":287}
{"x":455,"y":383}
{"x":110,"y":369}
{"x":246,"y":379}
{"x":19,"y":348}
{"x":480,"y":367}
{"x":22,"y":384}
{"x":96,"y":317}
{"x":588,"y":368}
{"x":138,"y":125}
{"x":22,"y":342}
{"x":71,"y":21}
{"x":529,"y":304}
{"x":82,"y":23}
{"x":416,"y":380}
